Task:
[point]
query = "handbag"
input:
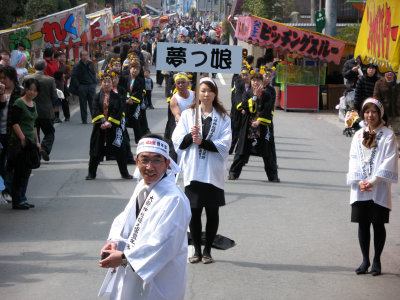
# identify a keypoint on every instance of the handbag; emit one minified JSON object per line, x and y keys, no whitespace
{"x":31,"y":154}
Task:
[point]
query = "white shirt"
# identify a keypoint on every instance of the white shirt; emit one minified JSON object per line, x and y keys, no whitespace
{"x":367,"y":164}
{"x":199,"y":164}
{"x":159,"y":252}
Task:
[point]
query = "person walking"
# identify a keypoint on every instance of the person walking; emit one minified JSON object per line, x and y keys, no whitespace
{"x":146,"y":250}
{"x":44,"y":105}
{"x":84,"y":82}
{"x":202,"y":154}
{"x":373,"y":167}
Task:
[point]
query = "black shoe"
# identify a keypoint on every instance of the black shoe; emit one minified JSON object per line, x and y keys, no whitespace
{"x":57,"y":120}
{"x":22,"y":206}
{"x":276,"y":180}
{"x":44,"y":155}
{"x":231,"y":177}
{"x":151,"y":107}
{"x":129,"y":176}
{"x":362,"y":269}
{"x":376,"y":269}
{"x":90,"y":177}
{"x":30,"y":205}
{"x":66,"y":120}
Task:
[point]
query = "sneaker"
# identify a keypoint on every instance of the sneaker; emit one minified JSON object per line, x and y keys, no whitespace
{"x":5,"y":196}
{"x":44,"y":155}
{"x":57,"y":120}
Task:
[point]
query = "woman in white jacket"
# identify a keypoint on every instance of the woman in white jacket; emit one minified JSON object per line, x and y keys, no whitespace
{"x":202,"y":154}
{"x":372,"y":170}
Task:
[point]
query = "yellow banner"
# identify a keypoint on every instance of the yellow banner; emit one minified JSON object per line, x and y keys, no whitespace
{"x":379,"y":38}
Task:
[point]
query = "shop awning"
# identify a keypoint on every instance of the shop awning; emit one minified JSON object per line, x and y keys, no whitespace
{"x":267,"y":33}
{"x":379,"y":38}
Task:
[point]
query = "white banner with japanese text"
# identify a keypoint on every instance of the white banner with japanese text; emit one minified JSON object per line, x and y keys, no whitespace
{"x":199,"y":58}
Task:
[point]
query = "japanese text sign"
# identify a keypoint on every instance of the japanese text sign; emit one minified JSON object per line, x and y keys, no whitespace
{"x":65,"y":28}
{"x":379,"y":37}
{"x":101,"y":26}
{"x":199,"y":58}
{"x":267,"y":33}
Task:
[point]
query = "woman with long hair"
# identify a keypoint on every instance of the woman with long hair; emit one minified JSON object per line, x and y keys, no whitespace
{"x":202,"y":154}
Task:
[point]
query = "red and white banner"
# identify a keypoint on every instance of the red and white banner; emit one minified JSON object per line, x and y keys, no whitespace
{"x":267,"y":33}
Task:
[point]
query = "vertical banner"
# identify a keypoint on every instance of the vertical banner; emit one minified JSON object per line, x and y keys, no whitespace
{"x":379,"y":37}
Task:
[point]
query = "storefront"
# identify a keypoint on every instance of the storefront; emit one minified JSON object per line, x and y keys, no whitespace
{"x":305,"y":54}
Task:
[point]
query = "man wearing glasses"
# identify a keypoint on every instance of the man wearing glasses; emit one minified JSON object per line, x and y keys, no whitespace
{"x":146,"y":252}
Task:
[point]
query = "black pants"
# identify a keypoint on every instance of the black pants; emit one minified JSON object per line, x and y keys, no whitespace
{"x":86,"y":96}
{"x":65,"y":108}
{"x":16,"y":165}
{"x":46,"y":125}
{"x":159,"y":77}
{"x":236,"y":122}
{"x":148,"y":96}
{"x":240,"y":160}
{"x":120,"y":157}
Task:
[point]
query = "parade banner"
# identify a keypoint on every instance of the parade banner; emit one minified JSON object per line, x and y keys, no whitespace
{"x":267,"y":33}
{"x":101,"y":25}
{"x":62,"y":29}
{"x":379,"y":38}
{"x":127,"y":24}
{"x":10,"y":38}
{"x":199,"y":58}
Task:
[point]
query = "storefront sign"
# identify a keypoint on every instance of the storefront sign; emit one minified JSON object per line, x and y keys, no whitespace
{"x":199,"y":58}
{"x":267,"y":33}
{"x":379,"y":37}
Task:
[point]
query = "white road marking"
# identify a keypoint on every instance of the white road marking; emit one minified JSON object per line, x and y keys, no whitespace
{"x":221,"y":79}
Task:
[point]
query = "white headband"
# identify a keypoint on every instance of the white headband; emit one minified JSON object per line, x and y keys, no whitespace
{"x":377,"y":103}
{"x":157,"y":146}
{"x":207,"y":79}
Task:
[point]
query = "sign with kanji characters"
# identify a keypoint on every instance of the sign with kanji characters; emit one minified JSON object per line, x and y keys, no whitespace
{"x":267,"y":33}
{"x":379,"y":37}
{"x":199,"y":58}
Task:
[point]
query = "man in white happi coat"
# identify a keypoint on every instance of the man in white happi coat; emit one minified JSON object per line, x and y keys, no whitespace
{"x":147,"y":245}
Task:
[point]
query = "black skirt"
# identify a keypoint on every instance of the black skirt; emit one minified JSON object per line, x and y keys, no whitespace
{"x":202,"y":194}
{"x":369,"y":212}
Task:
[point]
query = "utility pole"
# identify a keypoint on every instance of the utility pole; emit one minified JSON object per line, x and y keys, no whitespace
{"x":331,"y":17}
{"x":312,"y":10}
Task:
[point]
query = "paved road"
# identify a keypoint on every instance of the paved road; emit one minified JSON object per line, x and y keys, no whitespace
{"x":294,"y":239}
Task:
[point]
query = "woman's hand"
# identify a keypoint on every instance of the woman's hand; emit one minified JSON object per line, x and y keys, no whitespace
{"x":195,"y":130}
{"x":23,"y":142}
{"x":255,"y":124}
{"x":197,"y":139}
{"x":365,"y":186}
{"x":38,"y":146}
{"x":129,"y":101}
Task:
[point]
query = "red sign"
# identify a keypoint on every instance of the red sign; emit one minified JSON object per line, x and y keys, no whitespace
{"x":267,"y":33}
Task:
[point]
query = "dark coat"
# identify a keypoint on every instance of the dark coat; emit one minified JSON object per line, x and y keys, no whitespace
{"x":47,"y":95}
{"x":111,"y":137}
{"x":261,"y":110}
{"x":364,"y":89}
{"x":136,"y":94}
{"x":389,"y":95}
{"x":351,"y":76}
{"x":16,"y":93}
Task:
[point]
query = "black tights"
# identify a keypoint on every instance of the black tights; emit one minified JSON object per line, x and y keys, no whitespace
{"x":364,"y":238}
{"x":211,"y":229}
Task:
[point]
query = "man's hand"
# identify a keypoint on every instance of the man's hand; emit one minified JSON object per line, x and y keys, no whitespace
{"x":129,"y":101}
{"x":113,"y":260}
{"x":255,"y":124}
{"x":355,"y":69}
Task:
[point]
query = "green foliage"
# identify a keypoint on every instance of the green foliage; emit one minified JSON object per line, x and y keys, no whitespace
{"x":40,"y":8}
{"x":349,"y":33}
{"x":10,"y":10}
{"x":277,"y":10}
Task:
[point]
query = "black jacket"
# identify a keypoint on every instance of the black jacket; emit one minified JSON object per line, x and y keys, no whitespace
{"x":364,"y":89}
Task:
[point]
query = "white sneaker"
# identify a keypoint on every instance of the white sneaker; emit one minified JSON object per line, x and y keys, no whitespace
{"x":5,"y":198}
